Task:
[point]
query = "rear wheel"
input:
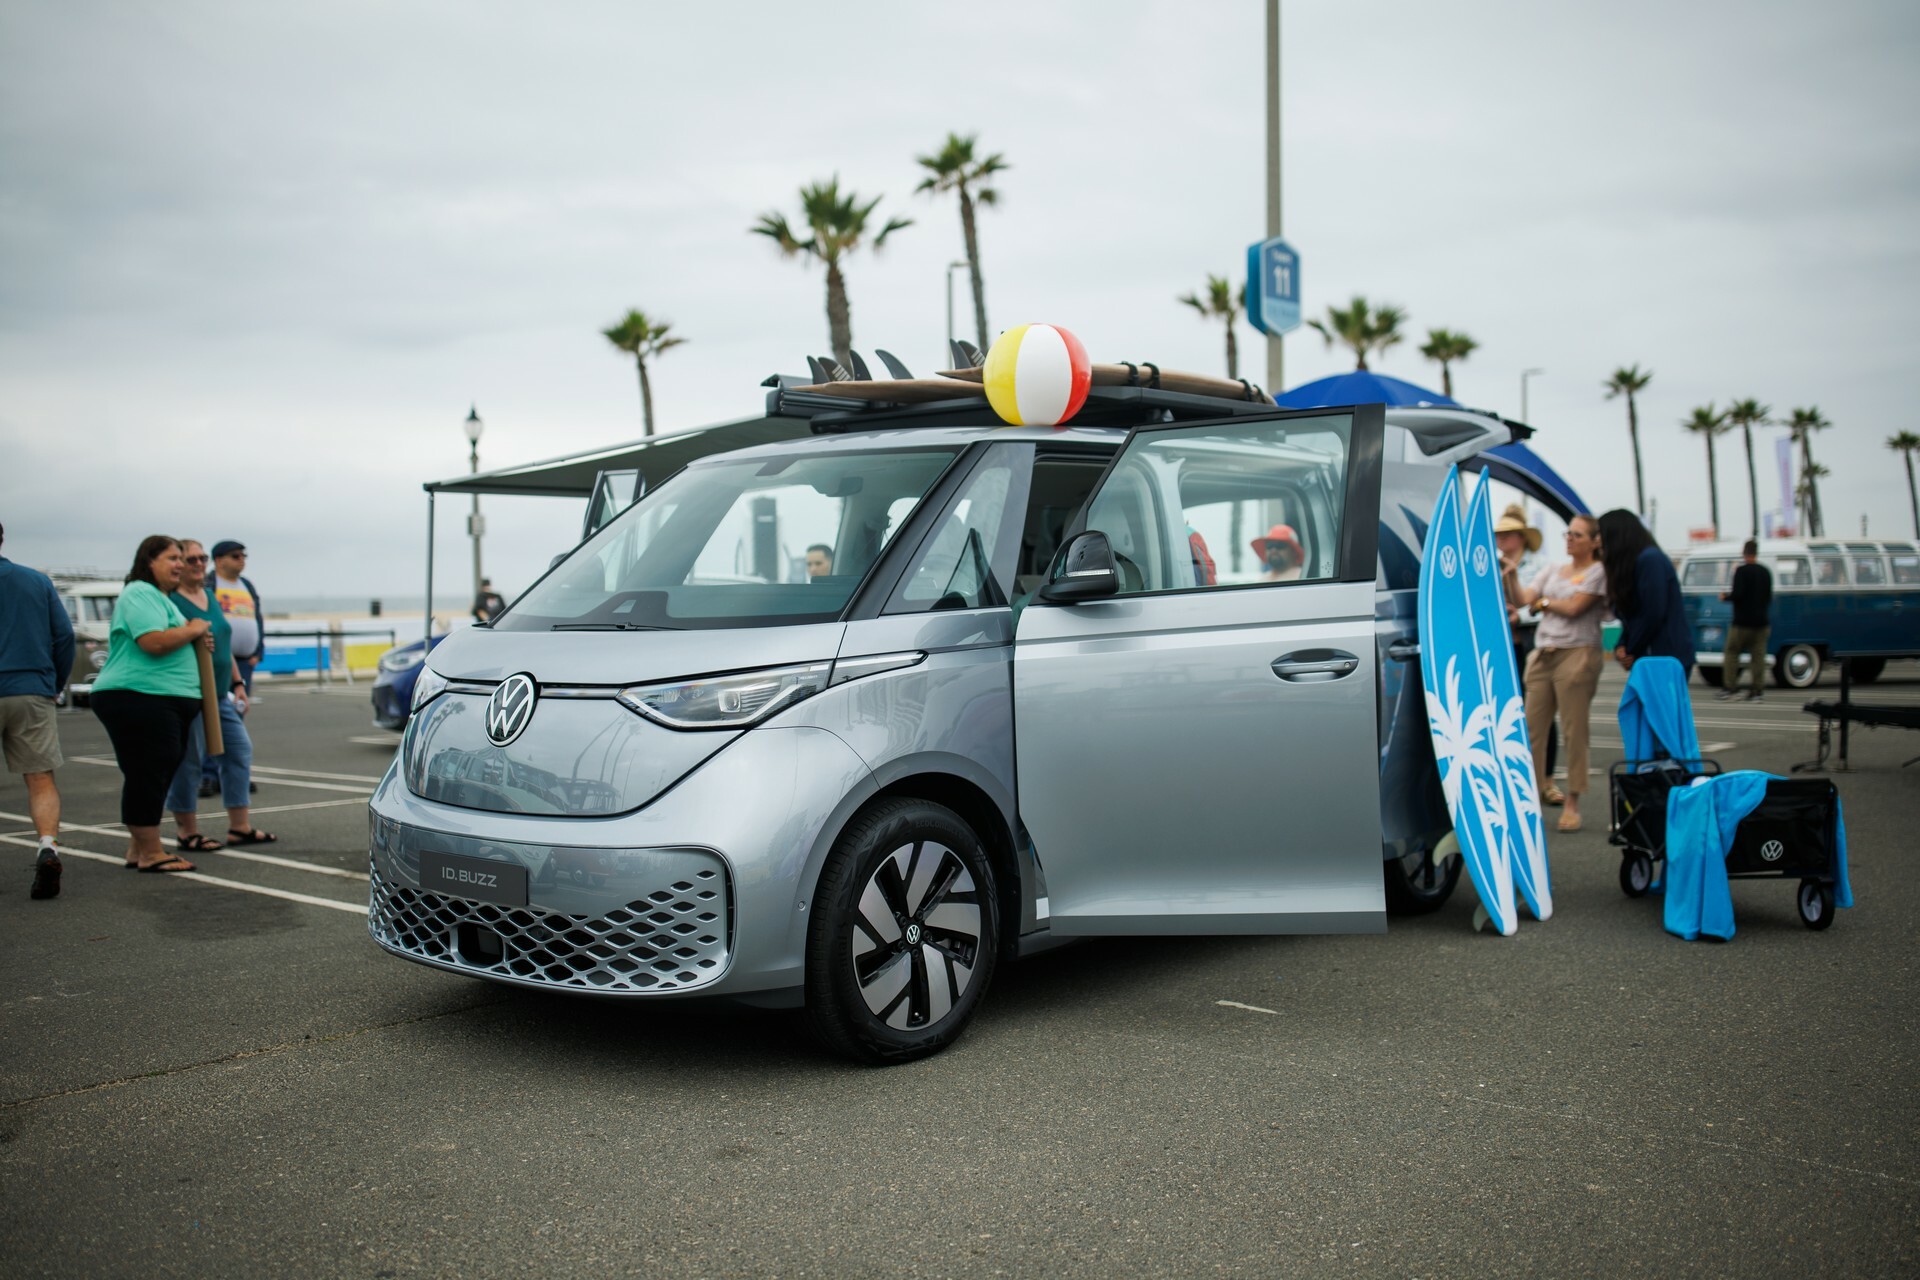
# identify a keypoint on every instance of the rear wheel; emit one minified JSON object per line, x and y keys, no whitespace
{"x":1636,"y":873}
{"x":904,"y":935}
{"x":1816,"y":904}
{"x":1866,"y":670}
{"x":1421,"y":882}
{"x":1798,"y":666}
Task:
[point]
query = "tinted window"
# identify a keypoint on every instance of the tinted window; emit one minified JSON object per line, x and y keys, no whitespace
{"x":1792,"y":571}
{"x":1829,"y":571}
{"x":748,"y":542}
{"x":1707,"y":573}
{"x":1869,"y":571}
{"x":1906,"y":569}
{"x":1179,"y":505}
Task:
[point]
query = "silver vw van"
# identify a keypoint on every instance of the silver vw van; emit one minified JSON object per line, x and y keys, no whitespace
{"x":850,"y":721}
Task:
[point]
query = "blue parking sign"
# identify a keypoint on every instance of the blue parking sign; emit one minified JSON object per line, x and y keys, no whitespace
{"x":1273,"y":286}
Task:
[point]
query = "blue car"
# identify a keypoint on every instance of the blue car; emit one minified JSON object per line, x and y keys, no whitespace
{"x":393,"y":686}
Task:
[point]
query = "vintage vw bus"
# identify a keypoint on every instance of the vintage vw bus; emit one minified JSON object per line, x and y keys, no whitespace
{"x":1830,"y":596}
{"x":850,"y":720}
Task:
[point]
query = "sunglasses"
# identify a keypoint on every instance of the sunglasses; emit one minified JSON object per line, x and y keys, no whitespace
{"x":194,"y":559}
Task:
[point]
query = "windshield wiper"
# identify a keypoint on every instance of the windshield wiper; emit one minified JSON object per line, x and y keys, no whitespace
{"x":606,"y":626}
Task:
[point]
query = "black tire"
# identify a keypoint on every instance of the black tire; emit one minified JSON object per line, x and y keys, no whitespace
{"x":1816,"y":904}
{"x":1636,"y":873}
{"x":1865,"y":670}
{"x":903,"y":985}
{"x":1712,"y":677}
{"x":1797,"y":666}
{"x":1419,"y":884}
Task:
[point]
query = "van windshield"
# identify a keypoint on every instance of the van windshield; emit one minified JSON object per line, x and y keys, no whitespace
{"x":736,"y":543}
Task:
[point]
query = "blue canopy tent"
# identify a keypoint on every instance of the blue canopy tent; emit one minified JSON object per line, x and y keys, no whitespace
{"x":1513,"y":464}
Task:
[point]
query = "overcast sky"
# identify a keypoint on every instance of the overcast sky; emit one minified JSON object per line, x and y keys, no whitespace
{"x":257,"y":260}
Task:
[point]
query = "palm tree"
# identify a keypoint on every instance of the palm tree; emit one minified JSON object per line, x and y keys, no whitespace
{"x":1443,"y":348}
{"x":1805,"y":493}
{"x":1746,"y":415}
{"x":1706,"y":423}
{"x":1630,"y":382}
{"x":1907,"y":442}
{"x":1361,"y":327}
{"x":642,"y":339}
{"x":1801,"y":426}
{"x":836,"y":223}
{"x":1221,"y":301}
{"x":954,"y":167}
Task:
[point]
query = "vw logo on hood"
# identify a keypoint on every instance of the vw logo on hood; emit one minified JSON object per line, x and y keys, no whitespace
{"x":510,"y":708}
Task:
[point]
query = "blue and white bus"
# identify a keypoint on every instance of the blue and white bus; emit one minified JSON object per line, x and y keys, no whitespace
{"x":1830,"y":596}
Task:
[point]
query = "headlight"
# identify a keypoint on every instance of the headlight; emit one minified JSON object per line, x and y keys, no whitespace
{"x":429,"y":685}
{"x":727,"y":702}
{"x":402,"y":659}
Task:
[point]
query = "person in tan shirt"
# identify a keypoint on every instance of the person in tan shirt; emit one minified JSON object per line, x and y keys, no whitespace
{"x":1564,"y":668}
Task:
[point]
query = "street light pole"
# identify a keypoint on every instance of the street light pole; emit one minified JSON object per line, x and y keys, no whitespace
{"x":951,"y":268}
{"x":1276,"y":352}
{"x":475,"y":525}
{"x":1524,"y":375}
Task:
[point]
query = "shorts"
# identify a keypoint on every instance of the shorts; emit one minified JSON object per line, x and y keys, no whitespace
{"x":29,"y":735}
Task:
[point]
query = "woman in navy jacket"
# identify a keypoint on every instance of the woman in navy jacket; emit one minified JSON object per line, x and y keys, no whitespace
{"x":1644,"y":592}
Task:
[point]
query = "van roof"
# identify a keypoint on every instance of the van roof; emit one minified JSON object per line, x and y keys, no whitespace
{"x":1793,"y":546}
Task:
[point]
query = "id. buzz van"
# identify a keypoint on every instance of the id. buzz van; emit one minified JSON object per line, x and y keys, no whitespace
{"x":854,"y":719}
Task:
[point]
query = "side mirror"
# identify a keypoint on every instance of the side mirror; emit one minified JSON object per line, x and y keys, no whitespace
{"x":555,"y":562}
{"x":1085,"y":571}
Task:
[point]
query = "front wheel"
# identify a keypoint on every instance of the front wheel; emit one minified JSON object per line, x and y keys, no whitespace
{"x":904,"y":935}
{"x":1636,"y":873}
{"x":1816,"y":904}
{"x":1420,"y":882}
{"x":1798,"y":666}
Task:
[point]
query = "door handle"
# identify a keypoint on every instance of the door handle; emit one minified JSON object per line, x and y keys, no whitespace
{"x":1315,"y":665}
{"x":1404,"y":650}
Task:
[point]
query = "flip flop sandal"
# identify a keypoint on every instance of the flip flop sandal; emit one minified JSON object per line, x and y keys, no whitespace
{"x":1554,"y":795}
{"x":255,"y":836}
{"x":168,"y":867}
{"x":1568,"y":823}
{"x":197,"y":843}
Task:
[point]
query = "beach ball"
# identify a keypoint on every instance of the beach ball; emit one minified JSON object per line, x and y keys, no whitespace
{"x":1037,"y":375}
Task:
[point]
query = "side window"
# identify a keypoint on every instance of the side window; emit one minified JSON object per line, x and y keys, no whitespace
{"x":1829,"y":571}
{"x":1869,"y":571}
{"x":1058,"y":489}
{"x":1707,"y":573}
{"x":1791,"y":571}
{"x":1227,"y":505}
{"x":1906,"y":569}
{"x":954,"y":567}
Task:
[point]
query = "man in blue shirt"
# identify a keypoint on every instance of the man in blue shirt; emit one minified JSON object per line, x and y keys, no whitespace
{"x":36,"y":655}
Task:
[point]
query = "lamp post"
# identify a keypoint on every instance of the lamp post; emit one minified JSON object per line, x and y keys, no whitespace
{"x":475,"y":524}
{"x":1524,"y":375}
{"x":951,"y":268}
{"x":1276,"y":349}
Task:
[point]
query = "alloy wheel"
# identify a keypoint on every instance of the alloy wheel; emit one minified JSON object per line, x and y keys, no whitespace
{"x":916,"y":939}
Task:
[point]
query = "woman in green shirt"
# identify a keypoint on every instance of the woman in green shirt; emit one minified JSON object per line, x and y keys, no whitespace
{"x":148,"y":696}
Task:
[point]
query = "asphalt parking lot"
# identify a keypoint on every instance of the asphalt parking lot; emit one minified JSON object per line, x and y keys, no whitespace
{"x":221,"y":1075}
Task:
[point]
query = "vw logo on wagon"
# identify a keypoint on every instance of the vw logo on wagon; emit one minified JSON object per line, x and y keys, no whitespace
{"x":1772,"y":850}
{"x":510,"y":708}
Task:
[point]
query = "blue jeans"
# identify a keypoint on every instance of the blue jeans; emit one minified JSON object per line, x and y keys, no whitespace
{"x":235,"y":765}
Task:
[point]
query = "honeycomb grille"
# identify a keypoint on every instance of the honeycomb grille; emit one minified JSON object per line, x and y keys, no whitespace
{"x":672,"y":939}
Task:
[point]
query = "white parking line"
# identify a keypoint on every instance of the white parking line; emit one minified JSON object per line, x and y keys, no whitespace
{"x":309,"y":773}
{"x":268,"y":859}
{"x":391,"y":740}
{"x":311,"y":804}
{"x":278,"y":782}
{"x":202,"y":878}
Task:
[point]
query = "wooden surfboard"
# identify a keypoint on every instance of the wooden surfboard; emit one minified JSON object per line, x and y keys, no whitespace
{"x":1117,"y":375}
{"x":901,"y":390}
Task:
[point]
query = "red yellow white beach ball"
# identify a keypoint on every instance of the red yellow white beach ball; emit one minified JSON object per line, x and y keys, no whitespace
{"x":1037,"y":375}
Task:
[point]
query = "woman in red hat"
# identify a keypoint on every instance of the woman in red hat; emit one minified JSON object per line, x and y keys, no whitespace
{"x":1280,"y":551}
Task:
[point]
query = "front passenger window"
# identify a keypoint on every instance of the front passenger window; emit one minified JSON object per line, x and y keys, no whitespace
{"x":954,"y":569}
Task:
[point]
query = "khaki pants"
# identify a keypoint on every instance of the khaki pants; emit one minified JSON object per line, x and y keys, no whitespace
{"x":1751,"y":641}
{"x":1563,"y":681}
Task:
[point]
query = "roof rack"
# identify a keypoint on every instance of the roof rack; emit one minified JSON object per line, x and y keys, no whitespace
{"x":793,"y":397}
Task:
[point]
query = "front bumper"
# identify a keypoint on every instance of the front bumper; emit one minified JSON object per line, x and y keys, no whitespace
{"x":615,"y":905}
{"x":390,"y":707}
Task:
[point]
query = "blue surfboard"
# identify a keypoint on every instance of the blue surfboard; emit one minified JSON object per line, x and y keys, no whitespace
{"x":1526,"y":835}
{"x":1452,"y":671}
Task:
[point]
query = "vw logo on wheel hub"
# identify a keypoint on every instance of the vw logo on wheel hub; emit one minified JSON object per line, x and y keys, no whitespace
{"x":913,"y":935}
{"x":1772,"y":850}
{"x":510,"y":708}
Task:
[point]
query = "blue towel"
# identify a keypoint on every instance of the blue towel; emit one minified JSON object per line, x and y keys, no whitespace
{"x":1655,"y":714}
{"x":1701,"y":820}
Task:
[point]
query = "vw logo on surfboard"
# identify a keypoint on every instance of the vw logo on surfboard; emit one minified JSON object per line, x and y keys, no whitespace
{"x":510,"y":708}
{"x":1447,"y":561}
{"x":1772,"y":851}
{"x":1480,"y":561}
